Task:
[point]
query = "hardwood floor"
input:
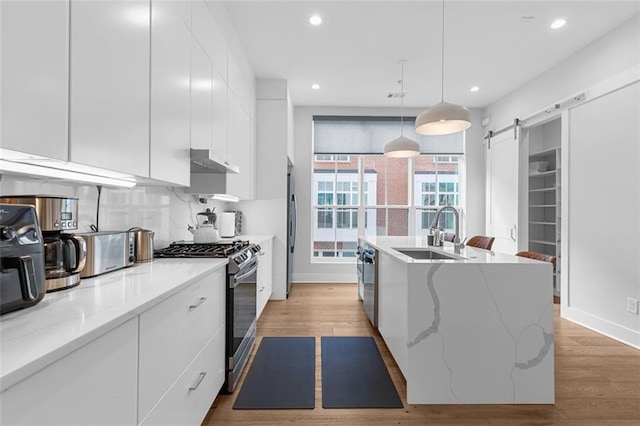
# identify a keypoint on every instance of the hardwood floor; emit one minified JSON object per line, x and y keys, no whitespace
{"x":597,"y":378}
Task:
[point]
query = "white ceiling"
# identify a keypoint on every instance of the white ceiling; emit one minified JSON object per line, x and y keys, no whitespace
{"x":354,"y":55}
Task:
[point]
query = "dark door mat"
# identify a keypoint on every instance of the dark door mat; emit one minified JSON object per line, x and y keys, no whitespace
{"x":355,"y":376}
{"x":282,"y":375}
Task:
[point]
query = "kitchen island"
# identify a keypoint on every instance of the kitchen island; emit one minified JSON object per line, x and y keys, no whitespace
{"x":472,"y":328}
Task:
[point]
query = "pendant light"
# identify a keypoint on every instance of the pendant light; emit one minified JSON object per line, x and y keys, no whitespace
{"x":402,"y":147}
{"x":444,"y":118}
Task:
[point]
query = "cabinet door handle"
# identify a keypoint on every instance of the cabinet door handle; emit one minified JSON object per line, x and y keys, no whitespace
{"x":198,"y":303}
{"x":199,"y":380}
{"x":261,"y":289}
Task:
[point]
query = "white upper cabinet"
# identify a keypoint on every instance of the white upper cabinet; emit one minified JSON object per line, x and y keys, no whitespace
{"x":239,"y":85}
{"x":34,"y":76}
{"x":109,"y":112}
{"x":240,"y":151}
{"x":208,"y":33}
{"x":220,"y":115}
{"x":201,"y":98}
{"x":170,"y":97}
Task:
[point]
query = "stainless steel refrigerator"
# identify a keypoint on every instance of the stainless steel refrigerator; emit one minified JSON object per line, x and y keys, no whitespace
{"x":291,"y":228}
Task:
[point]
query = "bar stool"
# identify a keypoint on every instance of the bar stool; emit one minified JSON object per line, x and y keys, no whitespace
{"x":449,"y":236}
{"x":538,"y":256}
{"x":480,"y":241}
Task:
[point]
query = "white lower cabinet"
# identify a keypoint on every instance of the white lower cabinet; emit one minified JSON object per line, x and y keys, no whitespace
{"x":173,"y":334}
{"x":94,"y":385}
{"x":265,"y":276}
{"x":190,"y":397}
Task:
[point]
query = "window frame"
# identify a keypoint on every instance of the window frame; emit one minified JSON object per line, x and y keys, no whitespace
{"x":414,"y":210}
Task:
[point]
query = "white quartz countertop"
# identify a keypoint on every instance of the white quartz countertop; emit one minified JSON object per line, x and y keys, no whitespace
{"x":389,"y":245}
{"x":32,"y":338}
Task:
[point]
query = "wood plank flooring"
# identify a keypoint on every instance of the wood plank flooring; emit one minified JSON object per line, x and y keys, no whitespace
{"x":597,"y":378}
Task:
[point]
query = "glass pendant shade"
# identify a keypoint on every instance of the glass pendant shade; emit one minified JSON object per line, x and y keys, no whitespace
{"x":402,"y":148}
{"x":443,"y":119}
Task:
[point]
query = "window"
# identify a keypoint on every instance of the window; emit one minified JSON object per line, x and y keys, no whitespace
{"x":428,"y":193}
{"x":448,"y":194}
{"x":371,"y":195}
{"x":347,"y":218}
{"x":365,"y":193}
{"x":445,"y":159}
{"x":325,"y":193}
{"x":331,"y":158}
{"x":439,"y":183}
{"x":347,"y":193}
{"x":325,"y":218}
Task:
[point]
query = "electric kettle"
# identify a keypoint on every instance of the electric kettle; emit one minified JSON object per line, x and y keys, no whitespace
{"x":143,"y":244}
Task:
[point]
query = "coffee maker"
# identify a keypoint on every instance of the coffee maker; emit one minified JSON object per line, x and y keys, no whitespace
{"x":65,"y":253}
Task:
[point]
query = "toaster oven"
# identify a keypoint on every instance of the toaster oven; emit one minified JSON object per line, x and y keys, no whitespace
{"x":108,"y":251}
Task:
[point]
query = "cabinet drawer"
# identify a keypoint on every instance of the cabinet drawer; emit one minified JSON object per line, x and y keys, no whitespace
{"x":189,"y":399}
{"x":173,"y":332}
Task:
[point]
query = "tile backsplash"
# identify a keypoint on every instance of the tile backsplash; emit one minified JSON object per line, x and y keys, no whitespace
{"x":165,"y":210}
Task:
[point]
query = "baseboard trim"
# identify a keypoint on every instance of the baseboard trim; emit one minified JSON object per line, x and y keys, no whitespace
{"x":326,"y":278}
{"x":615,"y":331}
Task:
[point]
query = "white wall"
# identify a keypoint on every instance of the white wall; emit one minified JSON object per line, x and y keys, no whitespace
{"x":598,"y":69}
{"x":306,"y":271}
{"x":166,"y":211}
{"x":614,"y":53}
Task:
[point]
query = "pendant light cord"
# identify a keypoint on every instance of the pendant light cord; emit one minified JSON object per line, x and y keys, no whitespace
{"x":402,"y":62}
{"x":442,"y":61}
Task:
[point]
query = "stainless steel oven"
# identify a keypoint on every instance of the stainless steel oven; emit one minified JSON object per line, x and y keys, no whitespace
{"x":241,"y":312}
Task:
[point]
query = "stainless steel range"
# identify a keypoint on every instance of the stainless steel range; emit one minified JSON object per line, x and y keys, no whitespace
{"x":241,"y":296}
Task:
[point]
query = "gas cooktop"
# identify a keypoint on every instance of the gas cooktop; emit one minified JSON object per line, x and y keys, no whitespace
{"x":190,"y":249}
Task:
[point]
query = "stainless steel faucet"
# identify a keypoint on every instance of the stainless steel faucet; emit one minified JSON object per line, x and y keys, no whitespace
{"x":457,"y":245}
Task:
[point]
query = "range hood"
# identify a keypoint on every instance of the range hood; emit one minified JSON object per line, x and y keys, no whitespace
{"x":210,"y":186}
{"x":205,"y":161}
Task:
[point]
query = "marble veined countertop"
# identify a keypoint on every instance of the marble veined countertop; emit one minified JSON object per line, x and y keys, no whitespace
{"x":467,"y":254}
{"x":32,"y":338}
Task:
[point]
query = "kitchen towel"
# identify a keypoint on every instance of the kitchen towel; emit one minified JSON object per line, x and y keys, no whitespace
{"x":354,"y":375}
{"x":282,"y":375}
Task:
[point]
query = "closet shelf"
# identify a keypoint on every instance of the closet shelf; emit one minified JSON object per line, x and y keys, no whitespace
{"x":543,"y":189}
{"x":549,"y":243}
{"x":543,"y":174}
{"x":545,"y":153}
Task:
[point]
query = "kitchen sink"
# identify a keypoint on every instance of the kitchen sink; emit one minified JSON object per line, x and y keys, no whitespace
{"x":426,"y":254}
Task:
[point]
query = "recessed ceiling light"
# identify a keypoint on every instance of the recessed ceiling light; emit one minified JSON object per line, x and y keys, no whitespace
{"x":315,"y":20}
{"x":558,"y":23}
{"x":474,"y":89}
{"x":315,"y":86}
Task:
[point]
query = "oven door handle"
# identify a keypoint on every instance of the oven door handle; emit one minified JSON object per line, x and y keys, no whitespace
{"x":239,"y":277}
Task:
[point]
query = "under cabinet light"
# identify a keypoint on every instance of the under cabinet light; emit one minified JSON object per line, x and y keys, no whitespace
{"x":220,"y":197}
{"x":50,"y":172}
